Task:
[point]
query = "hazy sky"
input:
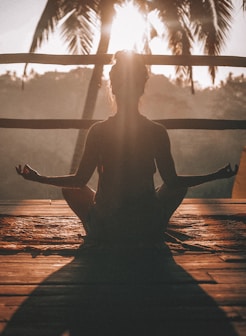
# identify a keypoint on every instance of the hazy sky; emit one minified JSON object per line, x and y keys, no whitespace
{"x":18,"y":19}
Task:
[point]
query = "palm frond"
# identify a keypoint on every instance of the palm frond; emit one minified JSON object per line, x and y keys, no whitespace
{"x":54,"y":11}
{"x":175,"y":17}
{"x":77,"y":31}
{"x":244,"y":5}
{"x":48,"y":20}
{"x":82,"y":6}
{"x":211,"y":22}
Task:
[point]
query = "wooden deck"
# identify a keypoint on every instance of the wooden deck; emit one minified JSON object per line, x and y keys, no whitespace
{"x":195,"y":284}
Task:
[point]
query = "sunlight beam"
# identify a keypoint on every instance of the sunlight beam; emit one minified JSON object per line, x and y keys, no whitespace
{"x":128,"y":29}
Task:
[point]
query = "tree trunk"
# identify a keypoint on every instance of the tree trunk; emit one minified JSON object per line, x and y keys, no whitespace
{"x":88,"y":111}
{"x":107,"y":15}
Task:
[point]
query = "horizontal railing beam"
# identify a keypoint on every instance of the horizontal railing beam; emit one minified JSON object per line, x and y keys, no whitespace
{"x":202,"y":124}
{"x":195,"y":60}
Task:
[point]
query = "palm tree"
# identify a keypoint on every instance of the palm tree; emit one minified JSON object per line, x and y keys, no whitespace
{"x":80,"y":20}
{"x":186,"y":21}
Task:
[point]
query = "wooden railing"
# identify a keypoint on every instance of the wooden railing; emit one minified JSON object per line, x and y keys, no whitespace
{"x":191,"y":60}
{"x":206,"y":124}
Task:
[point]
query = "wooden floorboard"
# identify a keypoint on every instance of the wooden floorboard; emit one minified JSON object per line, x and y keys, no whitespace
{"x":60,"y":208}
{"x":195,"y":284}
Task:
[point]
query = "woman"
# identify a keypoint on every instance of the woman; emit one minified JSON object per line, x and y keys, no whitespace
{"x":126,"y":149}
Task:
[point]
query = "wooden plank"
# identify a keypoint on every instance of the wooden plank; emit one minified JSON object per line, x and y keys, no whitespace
{"x":60,"y":208}
{"x":78,"y":277}
{"x":160,"y":299}
{"x":34,"y":210}
{"x":213,"y":209}
{"x":208,"y":260}
{"x":234,"y":61}
{"x":197,"y":265}
{"x":28,"y":202}
{"x":200,"y":312}
{"x":26,"y":258}
{"x":66,"y":289}
{"x":233,"y":258}
{"x":195,"y":262}
{"x":225,"y":277}
{"x":225,"y":289}
{"x":63,"y":202}
{"x":214,"y":201}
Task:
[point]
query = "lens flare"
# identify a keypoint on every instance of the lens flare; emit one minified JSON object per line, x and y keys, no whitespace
{"x":128,"y":30}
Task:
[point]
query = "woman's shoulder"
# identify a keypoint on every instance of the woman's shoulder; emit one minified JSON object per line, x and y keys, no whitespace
{"x":100,"y":129}
{"x":98,"y":126}
{"x":155,"y":126}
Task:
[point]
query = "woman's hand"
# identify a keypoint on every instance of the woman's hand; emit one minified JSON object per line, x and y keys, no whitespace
{"x":27,"y":172}
{"x":227,"y":171}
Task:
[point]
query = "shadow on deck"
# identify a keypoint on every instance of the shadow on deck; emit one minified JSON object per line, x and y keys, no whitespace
{"x":116,"y":292}
{"x":61,"y":291}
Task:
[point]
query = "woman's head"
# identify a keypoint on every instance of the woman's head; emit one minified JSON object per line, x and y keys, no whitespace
{"x":128,"y":75}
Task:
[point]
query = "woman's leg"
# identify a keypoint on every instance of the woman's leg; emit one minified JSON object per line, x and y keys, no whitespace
{"x":80,"y":201}
{"x":170,"y":200}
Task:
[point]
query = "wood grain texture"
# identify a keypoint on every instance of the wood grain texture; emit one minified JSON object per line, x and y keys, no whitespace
{"x":172,"y":290}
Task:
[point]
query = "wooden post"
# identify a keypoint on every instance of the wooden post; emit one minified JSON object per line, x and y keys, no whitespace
{"x":239,"y":187}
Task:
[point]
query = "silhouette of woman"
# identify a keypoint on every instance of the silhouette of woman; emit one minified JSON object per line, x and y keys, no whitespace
{"x":126,"y":149}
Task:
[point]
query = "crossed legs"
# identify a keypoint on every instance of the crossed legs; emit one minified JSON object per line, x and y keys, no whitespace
{"x":82,"y":200}
{"x":170,"y":201}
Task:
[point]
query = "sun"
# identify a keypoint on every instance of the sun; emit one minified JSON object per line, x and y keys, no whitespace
{"x":128,"y":30}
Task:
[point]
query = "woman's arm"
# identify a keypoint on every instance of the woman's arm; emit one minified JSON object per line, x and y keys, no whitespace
{"x":66,"y":181}
{"x":166,"y":167}
{"x":191,"y":181}
{"x":80,"y":178}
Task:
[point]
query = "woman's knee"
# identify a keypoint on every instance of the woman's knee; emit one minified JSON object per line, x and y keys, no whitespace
{"x":84,"y":194}
{"x":79,"y":200}
{"x":170,"y":199}
{"x":167,"y":194}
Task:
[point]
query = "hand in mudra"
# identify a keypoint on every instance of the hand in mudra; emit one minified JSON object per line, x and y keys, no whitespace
{"x":27,"y":172}
{"x":227,"y":171}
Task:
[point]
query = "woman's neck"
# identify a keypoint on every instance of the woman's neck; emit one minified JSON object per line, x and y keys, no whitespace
{"x":127,"y":107}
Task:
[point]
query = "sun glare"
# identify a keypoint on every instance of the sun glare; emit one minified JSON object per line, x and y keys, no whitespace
{"x":128,"y":29}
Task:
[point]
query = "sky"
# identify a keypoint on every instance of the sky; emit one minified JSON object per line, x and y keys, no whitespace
{"x":18,"y":19}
